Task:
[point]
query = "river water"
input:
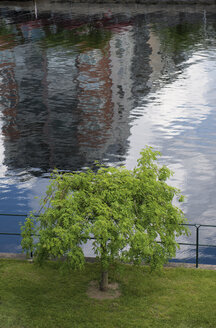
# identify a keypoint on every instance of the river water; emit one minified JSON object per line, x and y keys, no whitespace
{"x":80,"y":83}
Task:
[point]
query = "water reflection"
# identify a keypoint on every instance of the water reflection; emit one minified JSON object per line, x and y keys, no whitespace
{"x":62,"y":112}
{"x":75,"y":88}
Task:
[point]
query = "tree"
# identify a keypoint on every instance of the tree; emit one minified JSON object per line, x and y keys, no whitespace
{"x":129,"y":213}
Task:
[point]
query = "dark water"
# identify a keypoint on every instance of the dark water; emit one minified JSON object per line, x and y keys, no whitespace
{"x":79,"y":84}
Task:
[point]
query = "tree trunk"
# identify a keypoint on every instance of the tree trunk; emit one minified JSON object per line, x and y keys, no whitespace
{"x":104,"y":281}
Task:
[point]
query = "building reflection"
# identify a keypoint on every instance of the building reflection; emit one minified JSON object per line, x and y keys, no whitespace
{"x":64,"y":114}
{"x":68,"y":86}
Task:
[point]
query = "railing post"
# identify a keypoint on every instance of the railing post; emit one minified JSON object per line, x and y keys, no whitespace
{"x":197,"y":245}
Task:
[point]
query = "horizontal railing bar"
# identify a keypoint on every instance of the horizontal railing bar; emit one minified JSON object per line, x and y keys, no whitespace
{"x":199,"y":225}
{"x":5,"y":214}
{"x":184,"y":224}
{"x":206,"y":245}
{"x":201,"y":245}
{"x":187,"y":244}
{"x":10,"y":233}
{"x":207,"y":225}
{"x":92,"y":238}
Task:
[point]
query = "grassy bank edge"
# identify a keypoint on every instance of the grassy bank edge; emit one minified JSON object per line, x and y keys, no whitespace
{"x":43,"y":297}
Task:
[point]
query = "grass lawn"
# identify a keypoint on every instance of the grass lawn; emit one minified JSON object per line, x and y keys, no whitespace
{"x":32,"y":296}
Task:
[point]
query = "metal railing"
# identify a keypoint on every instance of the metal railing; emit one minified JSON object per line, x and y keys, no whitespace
{"x":195,"y":225}
{"x":197,"y":244}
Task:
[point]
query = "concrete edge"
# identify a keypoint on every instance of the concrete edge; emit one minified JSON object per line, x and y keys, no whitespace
{"x":22,"y":257}
{"x":16,"y":256}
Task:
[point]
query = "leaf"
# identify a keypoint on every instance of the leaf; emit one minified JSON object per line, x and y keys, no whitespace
{"x":127,"y":212}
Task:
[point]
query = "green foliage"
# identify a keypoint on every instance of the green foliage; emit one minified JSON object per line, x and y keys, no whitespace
{"x":126,"y":211}
{"x":27,"y":234}
{"x":180,"y":38}
{"x":85,"y":37}
{"x":5,"y":28}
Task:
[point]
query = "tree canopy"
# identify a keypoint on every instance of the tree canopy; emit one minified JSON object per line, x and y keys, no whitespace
{"x":128,"y":214}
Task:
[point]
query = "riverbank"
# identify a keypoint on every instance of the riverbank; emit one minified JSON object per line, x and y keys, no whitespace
{"x":22,"y":257}
{"x":149,"y":2}
{"x":118,"y":6}
{"x":43,"y":297}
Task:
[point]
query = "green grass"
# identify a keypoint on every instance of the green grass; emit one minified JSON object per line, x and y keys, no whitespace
{"x":32,"y":296}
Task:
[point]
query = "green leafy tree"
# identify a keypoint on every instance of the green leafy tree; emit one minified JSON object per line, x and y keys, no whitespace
{"x":129,"y":213}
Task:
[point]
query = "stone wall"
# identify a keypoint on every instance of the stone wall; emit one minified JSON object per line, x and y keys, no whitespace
{"x":145,"y":2}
